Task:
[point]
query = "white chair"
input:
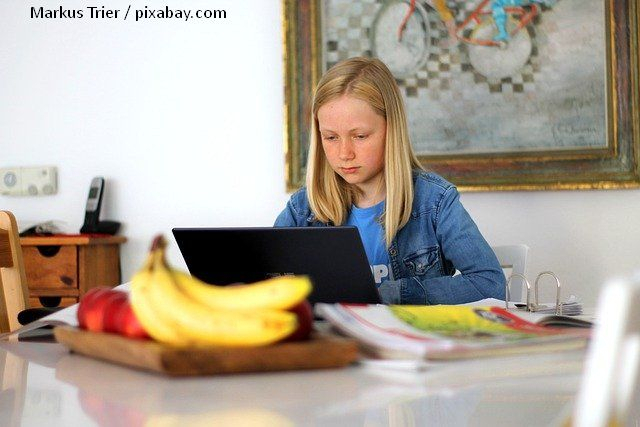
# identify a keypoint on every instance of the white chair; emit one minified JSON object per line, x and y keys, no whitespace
{"x":610,"y":390}
{"x":513,"y":260}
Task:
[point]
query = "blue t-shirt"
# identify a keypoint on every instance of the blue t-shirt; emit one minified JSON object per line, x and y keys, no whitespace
{"x":372,"y":234}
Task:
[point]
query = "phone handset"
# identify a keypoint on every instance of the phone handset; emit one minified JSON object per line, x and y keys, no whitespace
{"x":94,"y":203}
{"x":92,"y":223}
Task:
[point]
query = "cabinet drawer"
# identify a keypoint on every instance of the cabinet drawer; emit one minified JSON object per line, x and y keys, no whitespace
{"x":51,"y":267}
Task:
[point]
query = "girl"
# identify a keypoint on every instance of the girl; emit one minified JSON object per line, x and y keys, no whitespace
{"x":362,"y":171}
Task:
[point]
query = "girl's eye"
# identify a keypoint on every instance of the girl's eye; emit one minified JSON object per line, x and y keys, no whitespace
{"x":329,"y":137}
{"x":361,"y":136}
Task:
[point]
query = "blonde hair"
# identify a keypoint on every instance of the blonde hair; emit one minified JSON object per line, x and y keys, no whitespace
{"x":329,"y":195}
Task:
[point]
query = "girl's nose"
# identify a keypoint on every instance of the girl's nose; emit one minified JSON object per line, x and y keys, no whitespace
{"x":346,"y":150}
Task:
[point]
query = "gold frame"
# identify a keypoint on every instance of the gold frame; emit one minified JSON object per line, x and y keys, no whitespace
{"x":617,"y":166}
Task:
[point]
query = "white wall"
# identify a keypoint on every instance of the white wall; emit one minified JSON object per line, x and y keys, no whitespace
{"x":185,"y":121}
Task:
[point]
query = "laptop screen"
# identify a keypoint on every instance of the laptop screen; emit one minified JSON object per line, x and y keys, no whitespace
{"x":333,"y":257}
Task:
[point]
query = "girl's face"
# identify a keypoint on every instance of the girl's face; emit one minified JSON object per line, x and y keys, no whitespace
{"x":353,"y":138}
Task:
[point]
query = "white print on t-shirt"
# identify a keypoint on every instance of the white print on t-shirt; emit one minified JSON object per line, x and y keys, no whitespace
{"x":380,"y":271}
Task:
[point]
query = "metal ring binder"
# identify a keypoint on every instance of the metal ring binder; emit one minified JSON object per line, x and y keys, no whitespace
{"x":508,"y":293}
{"x":558,"y":303}
{"x":535,"y":305}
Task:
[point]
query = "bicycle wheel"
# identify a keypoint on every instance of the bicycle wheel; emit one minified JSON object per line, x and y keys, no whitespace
{"x":495,"y":62}
{"x":403,"y":57}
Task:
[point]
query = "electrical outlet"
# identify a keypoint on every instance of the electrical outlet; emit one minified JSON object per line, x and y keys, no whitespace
{"x":29,"y":181}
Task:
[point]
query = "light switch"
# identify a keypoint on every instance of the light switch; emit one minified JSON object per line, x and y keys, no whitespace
{"x":29,"y":181}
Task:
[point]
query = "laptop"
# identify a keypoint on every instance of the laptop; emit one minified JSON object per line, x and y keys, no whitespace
{"x":333,"y":257}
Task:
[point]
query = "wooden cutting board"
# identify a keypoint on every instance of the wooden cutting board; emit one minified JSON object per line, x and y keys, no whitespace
{"x":322,"y":351}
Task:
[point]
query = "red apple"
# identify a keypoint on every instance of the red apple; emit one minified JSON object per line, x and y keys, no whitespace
{"x":87,"y":301}
{"x":95,"y":315}
{"x":108,"y":310}
{"x":110,"y":319}
{"x":128,"y":323}
{"x":304,"y":312}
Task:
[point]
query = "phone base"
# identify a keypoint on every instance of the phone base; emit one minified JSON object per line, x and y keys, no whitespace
{"x":103,"y":227}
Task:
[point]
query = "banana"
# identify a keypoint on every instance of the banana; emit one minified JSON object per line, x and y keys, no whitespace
{"x":142,"y":305}
{"x":279,"y":293}
{"x":195,"y":324}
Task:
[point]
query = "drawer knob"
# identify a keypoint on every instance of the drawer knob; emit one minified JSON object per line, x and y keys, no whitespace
{"x":50,"y":301}
{"x":66,"y":280}
{"x":48,"y":251}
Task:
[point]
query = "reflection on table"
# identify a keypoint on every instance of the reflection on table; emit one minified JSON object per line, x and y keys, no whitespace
{"x":44,"y":384}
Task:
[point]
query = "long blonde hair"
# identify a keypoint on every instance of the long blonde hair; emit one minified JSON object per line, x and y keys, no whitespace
{"x":329,"y":195}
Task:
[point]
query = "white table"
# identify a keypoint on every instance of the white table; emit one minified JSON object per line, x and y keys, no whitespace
{"x":44,"y":385}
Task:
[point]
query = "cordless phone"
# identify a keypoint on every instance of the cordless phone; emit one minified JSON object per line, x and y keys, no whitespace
{"x":92,"y":223}
{"x":94,"y":203}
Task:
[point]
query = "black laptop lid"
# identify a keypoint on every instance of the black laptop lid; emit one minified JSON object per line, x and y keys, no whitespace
{"x":333,"y":257}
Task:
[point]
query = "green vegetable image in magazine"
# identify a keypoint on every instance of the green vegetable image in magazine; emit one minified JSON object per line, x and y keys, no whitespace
{"x":464,"y":322}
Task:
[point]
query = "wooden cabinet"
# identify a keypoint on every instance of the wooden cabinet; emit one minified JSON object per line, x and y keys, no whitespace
{"x":60,"y":269}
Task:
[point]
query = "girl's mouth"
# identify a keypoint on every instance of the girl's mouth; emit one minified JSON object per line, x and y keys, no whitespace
{"x":349,"y":170}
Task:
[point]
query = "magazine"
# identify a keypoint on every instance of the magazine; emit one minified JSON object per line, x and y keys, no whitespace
{"x":543,"y":317}
{"x":445,"y":331}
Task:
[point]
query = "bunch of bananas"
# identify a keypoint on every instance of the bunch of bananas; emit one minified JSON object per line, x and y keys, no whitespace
{"x":178,"y":309}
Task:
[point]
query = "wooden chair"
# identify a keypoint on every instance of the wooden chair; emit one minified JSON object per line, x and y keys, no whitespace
{"x":13,"y":282}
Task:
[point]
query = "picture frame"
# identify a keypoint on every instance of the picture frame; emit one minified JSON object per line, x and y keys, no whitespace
{"x":611,"y":162}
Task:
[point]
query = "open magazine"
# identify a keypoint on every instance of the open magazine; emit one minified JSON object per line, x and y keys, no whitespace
{"x":544,"y":317}
{"x":445,"y":331}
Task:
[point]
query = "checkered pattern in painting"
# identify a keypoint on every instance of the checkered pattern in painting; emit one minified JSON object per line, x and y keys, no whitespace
{"x":348,"y":29}
{"x":447,"y":72}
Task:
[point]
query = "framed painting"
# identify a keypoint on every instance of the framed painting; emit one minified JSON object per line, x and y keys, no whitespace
{"x":534,"y":95}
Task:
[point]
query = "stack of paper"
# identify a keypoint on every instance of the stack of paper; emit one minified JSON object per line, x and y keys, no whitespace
{"x":569,"y":308}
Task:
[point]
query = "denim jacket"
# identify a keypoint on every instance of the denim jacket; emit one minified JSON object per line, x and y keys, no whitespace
{"x":439,"y":239}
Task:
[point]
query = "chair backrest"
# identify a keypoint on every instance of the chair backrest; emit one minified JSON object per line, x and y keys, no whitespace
{"x":13,"y":282}
{"x":513,"y":259}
